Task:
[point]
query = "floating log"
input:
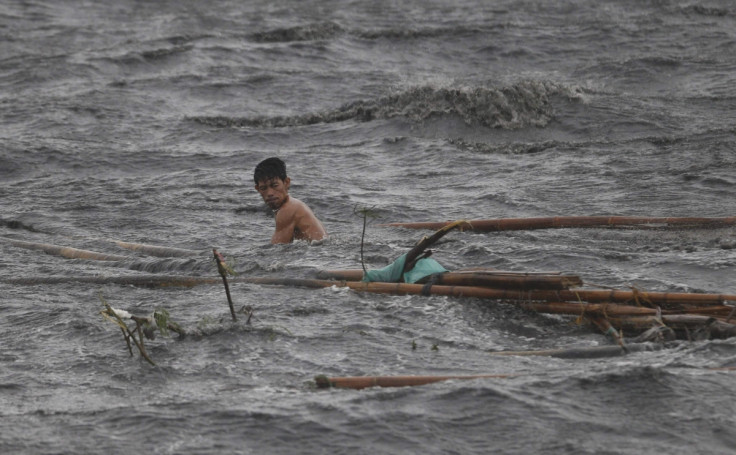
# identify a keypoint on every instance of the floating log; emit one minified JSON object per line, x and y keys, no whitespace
{"x":492,"y":279}
{"x":362,"y":382}
{"x":67,"y":252}
{"x":557,"y":222}
{"x":144,"y":280}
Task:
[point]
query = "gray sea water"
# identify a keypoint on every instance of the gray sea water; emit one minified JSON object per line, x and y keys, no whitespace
{"x":142,"y":121}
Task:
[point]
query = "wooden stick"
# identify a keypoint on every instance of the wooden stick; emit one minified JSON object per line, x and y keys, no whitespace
{"x":128,"y":334}
{"x":223,"y":273}
{"x":557,"y":222}
{"x":362,"y":382}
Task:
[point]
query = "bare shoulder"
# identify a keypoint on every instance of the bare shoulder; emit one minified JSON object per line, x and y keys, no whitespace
{"x":307,"y":226}
{"x":298,"y":206}
{"x":289,"y":208}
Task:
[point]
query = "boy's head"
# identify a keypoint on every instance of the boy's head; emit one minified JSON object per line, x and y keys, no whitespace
{"x":268,"y":169}
{"x":272,"y":182}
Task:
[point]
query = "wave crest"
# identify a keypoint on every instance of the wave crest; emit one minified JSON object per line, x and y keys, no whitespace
{"x":322,"y":30}
{"x":521,"y":105}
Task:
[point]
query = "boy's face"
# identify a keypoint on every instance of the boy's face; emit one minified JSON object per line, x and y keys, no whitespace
{"x":274,"y":191}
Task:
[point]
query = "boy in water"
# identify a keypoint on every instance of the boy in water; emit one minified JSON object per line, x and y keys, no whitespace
{"x":294,"y":219}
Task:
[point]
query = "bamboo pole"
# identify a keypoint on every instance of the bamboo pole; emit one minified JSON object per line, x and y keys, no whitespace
{"x":493,"y":279}
{"x":362,"y":382}
{"x":575,"y":295}
{"x":557,"y":222}
{"x":67,"y":252}
{"x":615,"y":310}
{"x":675,"y":321}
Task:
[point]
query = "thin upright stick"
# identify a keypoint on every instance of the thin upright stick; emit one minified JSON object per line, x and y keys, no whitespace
{"x":223,"y":273}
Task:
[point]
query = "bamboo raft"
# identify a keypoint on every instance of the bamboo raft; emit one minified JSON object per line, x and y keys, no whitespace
{"x":648,"y":316}
{"x":633,"y":311}
{"x":546,"y":292}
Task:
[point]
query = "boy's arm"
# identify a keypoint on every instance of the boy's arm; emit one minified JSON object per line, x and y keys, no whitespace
{"x":285,"y":224}
{"x":297,"y":221}
{"x":308,"y":227}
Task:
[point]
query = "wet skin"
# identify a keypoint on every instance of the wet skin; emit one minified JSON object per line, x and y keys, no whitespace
{"x":294,"y":219}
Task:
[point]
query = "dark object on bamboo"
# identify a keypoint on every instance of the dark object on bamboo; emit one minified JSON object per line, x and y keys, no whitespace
{"x":659,"y":334}
{"x":343,"y":275}
{"x":154,"y":250}
{"x":362,"y":382}
{"x":70,"y":253}
{"x":419,"y":250}
{"x":223,"y":270}
{"x":508,"y":280}
{"x":557,"y":222}
{"x":491,"y":279}
{"x":607,"y":329}
{"x":590,"y":352}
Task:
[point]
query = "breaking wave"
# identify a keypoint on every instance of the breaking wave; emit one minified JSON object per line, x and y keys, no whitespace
{"x":521,"y":105}
{"x":708,"y":11}
{"x":323,"y":30}
{"x":328,"y":30}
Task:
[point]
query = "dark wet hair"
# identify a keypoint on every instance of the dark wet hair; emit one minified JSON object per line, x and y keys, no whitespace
{"x":270,"y":168}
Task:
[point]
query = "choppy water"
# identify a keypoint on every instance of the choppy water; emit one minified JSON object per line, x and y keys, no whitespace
{"x":142,"y":122}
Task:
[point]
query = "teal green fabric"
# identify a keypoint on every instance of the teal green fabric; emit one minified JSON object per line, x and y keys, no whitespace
{"x":424,"y":267}
{"x":389,"y":274}
{"x":392,"y":272}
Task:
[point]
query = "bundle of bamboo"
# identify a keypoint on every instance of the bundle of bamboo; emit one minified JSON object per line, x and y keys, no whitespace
{"x":612,"y":311}
{"x":632,"y":311}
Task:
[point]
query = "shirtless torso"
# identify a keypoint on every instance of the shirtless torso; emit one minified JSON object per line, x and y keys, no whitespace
{"x":296,"y":221}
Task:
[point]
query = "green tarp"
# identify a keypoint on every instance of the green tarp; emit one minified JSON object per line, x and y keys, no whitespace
{"x":392,"y":273}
